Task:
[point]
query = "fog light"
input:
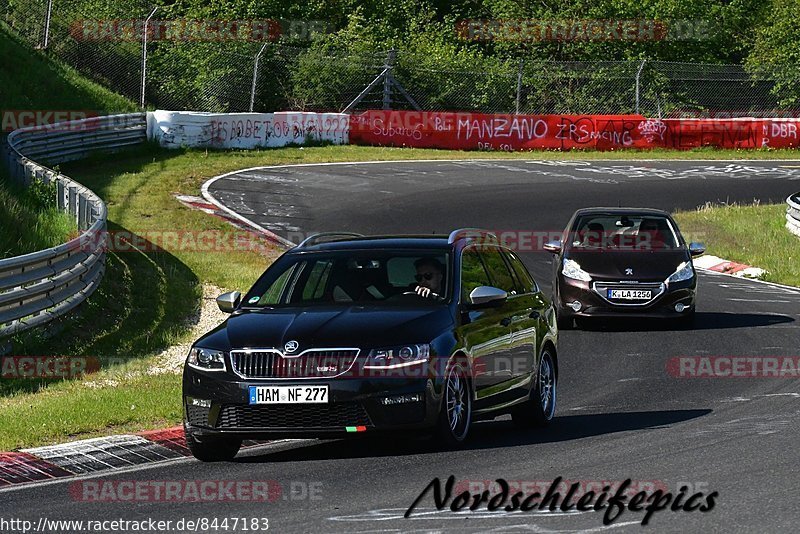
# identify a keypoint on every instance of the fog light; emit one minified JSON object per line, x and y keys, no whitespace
{"x":402,"y":399}
{"x":199,"y":402}
{"x":576,"y":306}
{"x":679,"y":307}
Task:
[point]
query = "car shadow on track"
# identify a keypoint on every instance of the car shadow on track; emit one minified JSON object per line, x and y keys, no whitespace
{"x":703,"y":321}
{"x":484,"y":435}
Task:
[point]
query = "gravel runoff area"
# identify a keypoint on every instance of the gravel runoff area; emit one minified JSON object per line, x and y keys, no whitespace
{"x":170,"y":360}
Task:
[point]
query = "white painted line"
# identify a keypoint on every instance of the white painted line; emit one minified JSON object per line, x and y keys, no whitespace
{"x":763,"y":300}
{"x":49,"y":451}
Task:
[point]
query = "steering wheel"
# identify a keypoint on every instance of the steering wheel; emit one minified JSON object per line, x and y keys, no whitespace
{"x":430,"y":295}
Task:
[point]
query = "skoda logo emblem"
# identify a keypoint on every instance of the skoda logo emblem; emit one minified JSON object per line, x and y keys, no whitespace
{"x":291,"y":346}
{"x":629,"y":271}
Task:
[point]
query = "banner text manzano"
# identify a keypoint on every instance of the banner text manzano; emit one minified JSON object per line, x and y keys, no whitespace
{"x":613,"y":504}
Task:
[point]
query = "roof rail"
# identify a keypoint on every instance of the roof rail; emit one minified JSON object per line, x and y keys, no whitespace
{"x":314,"y":238}
{"x":472,"y":233}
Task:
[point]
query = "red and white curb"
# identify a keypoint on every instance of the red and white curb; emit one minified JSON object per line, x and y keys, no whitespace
{"x":91,"y":456}
{"x":232,"y":218}
{"x":95,"y":455}
{"x":203,"y":205}
{"x":719,"y":265}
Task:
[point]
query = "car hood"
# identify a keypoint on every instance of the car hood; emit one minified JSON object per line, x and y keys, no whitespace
{"x":354,"y":326}
{"x":647,"y":265}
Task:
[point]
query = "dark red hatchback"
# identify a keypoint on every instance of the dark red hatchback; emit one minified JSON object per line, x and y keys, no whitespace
{"x":623,"y":262}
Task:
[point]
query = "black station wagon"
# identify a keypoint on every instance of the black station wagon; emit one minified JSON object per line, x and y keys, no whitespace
{"x":346,"y":334}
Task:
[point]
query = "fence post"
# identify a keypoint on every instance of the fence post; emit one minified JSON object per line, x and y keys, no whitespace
{"x":144,"y":54}
{"x":638,"y":75}
{"x":387,"y":80}
{"x":47,"y":16}
{"x":255,"y":77}
{"x":519,"y":85}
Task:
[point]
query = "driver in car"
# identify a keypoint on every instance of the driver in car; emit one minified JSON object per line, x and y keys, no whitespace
{"x":429,"y":277}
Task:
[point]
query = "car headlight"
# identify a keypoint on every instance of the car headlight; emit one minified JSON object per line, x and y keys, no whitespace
{"x":398,"y":356}
{"x":573,"y":270}
{"x":206,"y":359}
{"x":685,"y":271}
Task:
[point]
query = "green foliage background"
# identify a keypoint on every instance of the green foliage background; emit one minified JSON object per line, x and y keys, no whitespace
{"x":440,"y":69}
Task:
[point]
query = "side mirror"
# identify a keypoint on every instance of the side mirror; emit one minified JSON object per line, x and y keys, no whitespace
{"x":228,"y":302}
{"x":696,"y":249}
{"x":486,"y":296}
{"x":553,"y":246}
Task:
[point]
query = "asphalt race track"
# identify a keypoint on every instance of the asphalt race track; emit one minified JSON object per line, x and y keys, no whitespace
{"x":620,"y":413}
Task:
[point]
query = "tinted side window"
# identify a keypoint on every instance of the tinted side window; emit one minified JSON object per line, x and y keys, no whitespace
{"x":525,"y":278}
{"x":473,"y":274}
{"x":501,"y":277}
{"x":314,"y":288}
{"x":276,"y":290}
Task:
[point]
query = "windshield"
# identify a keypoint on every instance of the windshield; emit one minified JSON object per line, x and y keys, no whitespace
{"x":624,"y":232}
{"x":364,"y":277}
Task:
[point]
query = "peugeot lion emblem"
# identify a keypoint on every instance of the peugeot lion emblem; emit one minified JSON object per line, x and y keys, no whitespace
{"x":291,"y":346}
{"x":629,"y":271}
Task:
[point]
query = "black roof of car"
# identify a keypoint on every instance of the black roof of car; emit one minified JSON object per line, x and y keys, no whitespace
{"x":622,"y":211}
{"x":379,"y":242}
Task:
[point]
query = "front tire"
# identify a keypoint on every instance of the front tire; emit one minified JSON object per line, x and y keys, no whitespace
{"x":455,"y":417}
{"x":540,"y":408}
{"x":212,"y":449}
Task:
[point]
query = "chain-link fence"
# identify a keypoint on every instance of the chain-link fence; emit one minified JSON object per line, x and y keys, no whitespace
{"x":182,"y":72}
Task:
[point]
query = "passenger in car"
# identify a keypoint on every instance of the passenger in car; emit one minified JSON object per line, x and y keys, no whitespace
{"x":651,"y":235}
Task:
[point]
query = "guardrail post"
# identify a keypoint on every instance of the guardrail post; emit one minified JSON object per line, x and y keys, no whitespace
{"x":72,"y":202}
{"x":61,"y":202}
{"x":81,"y":212}
{"x":26,"y":174}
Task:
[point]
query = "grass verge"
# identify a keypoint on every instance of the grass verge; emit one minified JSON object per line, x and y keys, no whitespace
{"x":33,"y":81}
{"x":145,"y":299}
{"x":30,"y":222}
{"x":754,"y":235}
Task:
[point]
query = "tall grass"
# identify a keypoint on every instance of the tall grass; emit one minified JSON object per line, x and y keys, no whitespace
{"x":29,"y":221}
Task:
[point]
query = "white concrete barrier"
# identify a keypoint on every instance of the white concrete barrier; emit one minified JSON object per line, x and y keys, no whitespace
{"x":190,"y":129}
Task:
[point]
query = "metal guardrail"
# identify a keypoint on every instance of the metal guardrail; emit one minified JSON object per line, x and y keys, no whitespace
{"x":38,"y":287}
{"x":793,"y":214}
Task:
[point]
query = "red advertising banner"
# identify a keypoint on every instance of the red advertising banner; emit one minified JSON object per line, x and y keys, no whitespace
{"x":478,"y":131}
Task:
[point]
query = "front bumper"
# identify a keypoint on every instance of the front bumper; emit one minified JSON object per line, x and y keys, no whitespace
{"x":218,"y":404}
{"x":594,"y":305}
